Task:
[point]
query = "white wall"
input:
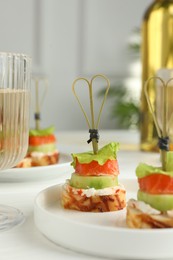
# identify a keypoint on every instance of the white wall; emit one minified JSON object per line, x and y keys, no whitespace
{"x":67,"y":39}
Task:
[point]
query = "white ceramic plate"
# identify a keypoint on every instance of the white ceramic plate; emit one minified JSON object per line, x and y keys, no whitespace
{"x":40,"y":172}
{"x":101,"y":234}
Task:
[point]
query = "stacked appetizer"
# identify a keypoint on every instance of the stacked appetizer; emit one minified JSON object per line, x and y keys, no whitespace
{"x":42,"y":148}
{"x":154,"y":205}
{"x":94,"y":186}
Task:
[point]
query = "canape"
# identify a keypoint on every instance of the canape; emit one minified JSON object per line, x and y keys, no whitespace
{"x":94,"y":186}
{"x":42,"y":149}
{"x":154,"y":204}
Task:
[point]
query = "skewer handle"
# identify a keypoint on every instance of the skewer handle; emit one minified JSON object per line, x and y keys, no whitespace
{"x":93,"y":127}
{"x":37,"y":108}
{"x":162,"y":133}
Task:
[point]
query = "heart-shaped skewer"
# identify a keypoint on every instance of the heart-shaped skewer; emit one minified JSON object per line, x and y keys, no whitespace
{"x":163,"y":132}
{"x":39,"y":100}
{"x":93,"y":125}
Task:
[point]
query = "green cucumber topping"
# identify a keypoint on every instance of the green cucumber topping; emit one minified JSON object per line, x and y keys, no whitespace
{"x":42,"y":132}
{"x":162,"y":202}
{"x":107,"y":152}
{"x":97,"y":182}
{"x":45,"y":148}
{"x":144,"y":170}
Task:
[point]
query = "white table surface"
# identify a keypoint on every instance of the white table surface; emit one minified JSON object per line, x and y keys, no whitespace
{"x":25,"y":241}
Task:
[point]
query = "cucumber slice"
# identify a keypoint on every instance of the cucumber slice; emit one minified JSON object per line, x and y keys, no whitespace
{"x":45,"y":148}
{"x":97,"y":182}
{"x":42,"y":132}
{"x":162,"y":202}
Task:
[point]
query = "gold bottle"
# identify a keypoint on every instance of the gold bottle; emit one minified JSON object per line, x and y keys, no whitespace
{"x":157,"y":52}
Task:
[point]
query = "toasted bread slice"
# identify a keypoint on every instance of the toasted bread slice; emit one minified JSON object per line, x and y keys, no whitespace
{"x":36,"y":159}
{"x":78,"y":200}
{"x":143,"y":216}
{"x":44,"y":160}
{"x":25,"y":163}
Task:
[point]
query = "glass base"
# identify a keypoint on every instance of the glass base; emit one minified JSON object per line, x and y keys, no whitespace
{"x":10,"y":217}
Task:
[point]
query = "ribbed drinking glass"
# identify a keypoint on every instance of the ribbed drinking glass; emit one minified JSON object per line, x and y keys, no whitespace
{"x":15,"y":78}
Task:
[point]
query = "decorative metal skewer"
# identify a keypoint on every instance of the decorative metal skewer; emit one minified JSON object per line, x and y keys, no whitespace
{"x":38,"y":103}
{"x":93,"y":126}
{"x":161,"y":131}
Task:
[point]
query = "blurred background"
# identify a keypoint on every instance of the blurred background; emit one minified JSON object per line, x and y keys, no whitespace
{"x":68,"y":39}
